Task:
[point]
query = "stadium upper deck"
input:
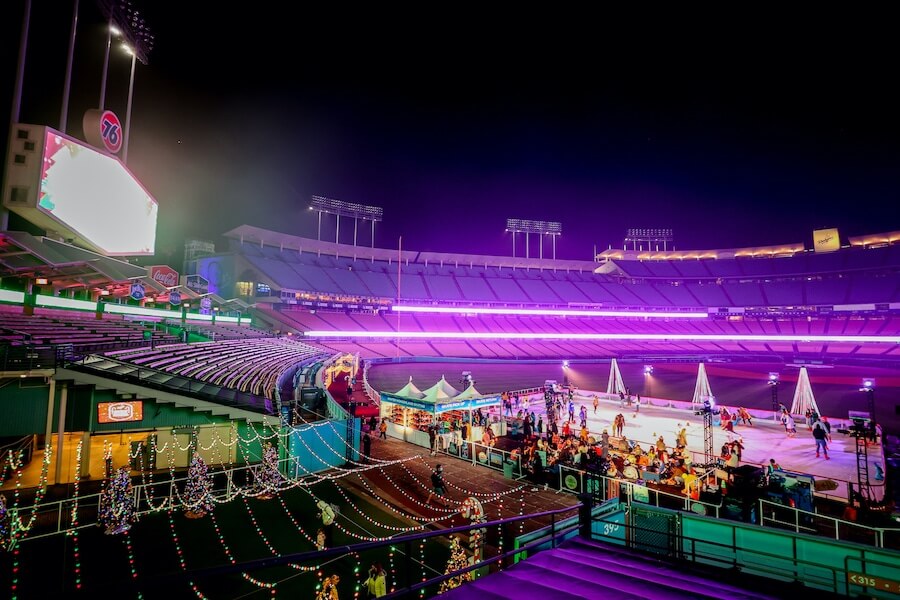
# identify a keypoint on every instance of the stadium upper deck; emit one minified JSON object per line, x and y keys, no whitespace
{"x":295,"y":270}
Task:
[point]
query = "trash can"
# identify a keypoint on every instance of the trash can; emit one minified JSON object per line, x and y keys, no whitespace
{"x":508,"y":467}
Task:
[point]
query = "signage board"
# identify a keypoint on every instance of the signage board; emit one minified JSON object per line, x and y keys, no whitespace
{"x":120,"y":412}
{"x":164,"y":275}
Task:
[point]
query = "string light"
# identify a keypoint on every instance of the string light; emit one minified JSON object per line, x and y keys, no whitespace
{"x":181,"y":561}
{"x":73,"y":532}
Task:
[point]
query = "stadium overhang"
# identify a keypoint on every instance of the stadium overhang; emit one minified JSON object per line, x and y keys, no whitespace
{"x":27,"y":256}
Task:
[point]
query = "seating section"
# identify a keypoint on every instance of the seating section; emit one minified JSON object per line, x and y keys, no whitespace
{"x":246,"y":365}
{"x":224,"y":331}
{"x":80,"y":331}
{"x":463,"y":326}
{"x":847,"y":276}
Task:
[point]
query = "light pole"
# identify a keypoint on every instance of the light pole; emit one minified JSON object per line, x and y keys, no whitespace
{"x":110,"y":32}
{"x":128,"y":110}
{"x":773,"y":383}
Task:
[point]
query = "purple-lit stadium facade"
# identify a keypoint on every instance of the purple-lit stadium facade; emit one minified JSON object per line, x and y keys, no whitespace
{"x":755,"y":310}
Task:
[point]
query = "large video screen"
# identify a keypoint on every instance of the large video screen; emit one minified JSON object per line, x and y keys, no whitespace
{"x":94,"y":195}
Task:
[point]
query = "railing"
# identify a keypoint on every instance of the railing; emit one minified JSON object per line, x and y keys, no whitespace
{"x":411,"y":584}
{"x":577,"y":481}
{"x":59,"y":517}
{"x":790,"y":570}
{"x":27,"y":358}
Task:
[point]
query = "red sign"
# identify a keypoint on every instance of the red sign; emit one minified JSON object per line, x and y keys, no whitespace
{"x":164,"y":275}
{"x":876,"y":583}
{"x":120,"y":412}
{"x":102,"y":128}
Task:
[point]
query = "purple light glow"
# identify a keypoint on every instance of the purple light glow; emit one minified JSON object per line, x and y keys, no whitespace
{"x":547,"y":312}
{"x":492,"y":335}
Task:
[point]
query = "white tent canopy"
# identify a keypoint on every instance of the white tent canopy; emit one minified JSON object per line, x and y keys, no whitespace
{"x":469,"y":392}
{"x":448,"y":390}
{"x":803,"y":395}
{"x":616,"y":385}
{"x":702,"y":390}
{"x":410,"y":390}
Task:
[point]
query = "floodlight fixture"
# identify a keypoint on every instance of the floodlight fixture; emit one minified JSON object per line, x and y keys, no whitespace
{"x":773,"y":378}
{"x":354,"y":210}
{"x":868,"y":385}
{"x":651,"y":235}
{"x":648,"y":369}
{"x":541,"y":228}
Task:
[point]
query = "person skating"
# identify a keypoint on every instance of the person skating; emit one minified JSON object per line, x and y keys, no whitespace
{"x":820,"y":434}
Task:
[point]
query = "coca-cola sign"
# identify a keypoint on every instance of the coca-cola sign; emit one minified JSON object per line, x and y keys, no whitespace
{"x":164,"y":275}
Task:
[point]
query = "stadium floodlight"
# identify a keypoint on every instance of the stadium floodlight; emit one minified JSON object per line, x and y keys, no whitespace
{"x":339,"y":208}
{"x":639,"y":235}
{"x":542,"y":228}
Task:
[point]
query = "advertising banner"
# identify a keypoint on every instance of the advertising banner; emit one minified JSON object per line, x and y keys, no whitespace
{"x":120,"y":412}
{"x":826,"y":240}
{"x":164,"y":275}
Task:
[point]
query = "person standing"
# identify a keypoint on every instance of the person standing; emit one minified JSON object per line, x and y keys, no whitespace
{"x":367,"y":446}
{"x":376,"y":584}
{"x":596,"y":403}
{"x":437,"y":484}
{"x":582,"y":415}
{"x":820,"y":434}
{"x":382,"y":429}
{"x":771,"y":468}
{"x":327,"y":514}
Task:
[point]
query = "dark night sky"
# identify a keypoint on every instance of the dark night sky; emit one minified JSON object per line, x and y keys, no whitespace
{"x":733,"y":131}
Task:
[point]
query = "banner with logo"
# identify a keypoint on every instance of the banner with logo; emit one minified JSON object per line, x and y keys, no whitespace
{"x":826,"y":240}
{"x":164,"y":275}
{"x":137,"y":290}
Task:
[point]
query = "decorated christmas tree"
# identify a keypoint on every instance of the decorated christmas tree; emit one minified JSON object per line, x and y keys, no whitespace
{"x":268,"y":477}
{"x":458,"y":560}
{"x":117,"y":503}
{"x":5,"y":525}
{"x":198,"y":498}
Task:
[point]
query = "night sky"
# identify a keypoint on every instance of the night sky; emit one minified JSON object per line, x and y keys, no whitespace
{"x":732,"y":131}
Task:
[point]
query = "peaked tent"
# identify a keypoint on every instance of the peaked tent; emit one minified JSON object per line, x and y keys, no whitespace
{"x":701,"y":390}
{"x":616,"y":385}
{"x":410,"y":390}
{"x":803,"y":395}
{"x":448,"y":390}
{"x":468,"y":393}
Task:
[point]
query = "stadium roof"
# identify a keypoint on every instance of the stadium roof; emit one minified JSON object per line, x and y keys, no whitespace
{"x":250,"y":234}
{"x":25,"y":255}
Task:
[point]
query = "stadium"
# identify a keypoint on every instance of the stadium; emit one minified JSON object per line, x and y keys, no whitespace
{"x":269,"y":415}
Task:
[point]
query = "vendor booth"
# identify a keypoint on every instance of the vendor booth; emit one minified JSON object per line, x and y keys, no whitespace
{"x":410,"y":412}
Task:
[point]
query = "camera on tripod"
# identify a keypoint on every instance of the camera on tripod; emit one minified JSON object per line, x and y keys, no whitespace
{"x":862,"y":427}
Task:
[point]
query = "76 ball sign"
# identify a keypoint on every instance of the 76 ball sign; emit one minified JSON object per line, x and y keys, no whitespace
{"x":103,"y":129}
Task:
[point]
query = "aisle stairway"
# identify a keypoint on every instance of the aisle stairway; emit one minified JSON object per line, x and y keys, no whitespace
{"x":584,"y":569}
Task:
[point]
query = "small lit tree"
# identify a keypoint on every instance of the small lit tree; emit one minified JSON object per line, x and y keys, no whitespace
{"x":116,"y":512}
{"x":198,"y":499}
{"x":5,"y":525}
{"x":458,"y":560}
{"x":268,"y":477}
